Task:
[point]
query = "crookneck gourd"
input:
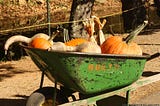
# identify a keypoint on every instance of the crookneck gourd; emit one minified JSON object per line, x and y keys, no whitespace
{"x":29,"y":41}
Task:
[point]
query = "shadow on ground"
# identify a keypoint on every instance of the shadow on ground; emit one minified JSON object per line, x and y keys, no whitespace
{"x":12,"y":102}
{"x":8,"y":71}
{"x":149,"y":73}
{"x":113,"y":100}
{"x":120,"y":101}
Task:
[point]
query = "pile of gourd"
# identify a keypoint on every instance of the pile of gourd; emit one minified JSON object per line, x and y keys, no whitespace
{"x":94,"y":44}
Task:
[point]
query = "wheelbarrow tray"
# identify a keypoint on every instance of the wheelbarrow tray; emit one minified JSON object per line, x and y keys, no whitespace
{"x":88,"y":73}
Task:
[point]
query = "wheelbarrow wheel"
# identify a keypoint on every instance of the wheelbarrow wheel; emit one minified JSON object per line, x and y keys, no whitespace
{"x":44,"y":97}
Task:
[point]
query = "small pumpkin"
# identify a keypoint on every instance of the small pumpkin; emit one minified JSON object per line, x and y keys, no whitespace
{"x":120,"y":45}
{"x":40,"y":43}
{"x":75,"y":42}
{"x":116,"y":45}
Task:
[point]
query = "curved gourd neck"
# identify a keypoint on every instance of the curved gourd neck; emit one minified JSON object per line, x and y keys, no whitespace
{"x":135,"y":32}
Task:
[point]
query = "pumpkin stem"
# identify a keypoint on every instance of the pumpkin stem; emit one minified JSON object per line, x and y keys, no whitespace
{"x":135,"y":32}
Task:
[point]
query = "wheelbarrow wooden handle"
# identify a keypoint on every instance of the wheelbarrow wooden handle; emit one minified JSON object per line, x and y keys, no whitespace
{"x":155,"y":55}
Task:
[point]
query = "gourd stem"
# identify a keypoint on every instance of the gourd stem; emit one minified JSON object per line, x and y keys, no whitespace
{"x":135,"y":32}
{"x":53,"y":35}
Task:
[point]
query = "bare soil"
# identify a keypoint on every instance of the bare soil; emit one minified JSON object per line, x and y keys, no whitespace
{"x":60,"y":6}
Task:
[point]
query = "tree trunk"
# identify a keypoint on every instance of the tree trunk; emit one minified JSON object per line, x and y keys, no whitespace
{"x":157,"y":4}
{"x":134,"y":17}
{"x":80,"y":10}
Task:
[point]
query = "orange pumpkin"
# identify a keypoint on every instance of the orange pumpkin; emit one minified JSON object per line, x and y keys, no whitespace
{"x":40,"y":43}
{"x":75,"y":42}
{"x":116,"y":45}
{"x":120,"y":45}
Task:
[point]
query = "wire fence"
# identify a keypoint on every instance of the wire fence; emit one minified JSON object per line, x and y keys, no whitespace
{"x":67,"y":22}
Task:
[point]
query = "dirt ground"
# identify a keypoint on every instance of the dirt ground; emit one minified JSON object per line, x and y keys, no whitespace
{"x":18,"y":79}
{"x":62,"y":6}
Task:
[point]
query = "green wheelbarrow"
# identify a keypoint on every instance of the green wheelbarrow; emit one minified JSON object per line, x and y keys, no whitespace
{"x":87,"y":74}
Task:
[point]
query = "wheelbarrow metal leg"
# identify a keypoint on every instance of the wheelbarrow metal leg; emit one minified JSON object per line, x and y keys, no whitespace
{"x":42,"y":79}
{"x":127,"y":97}
{"x":55,"y":93}
{"x":94,"y":104}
